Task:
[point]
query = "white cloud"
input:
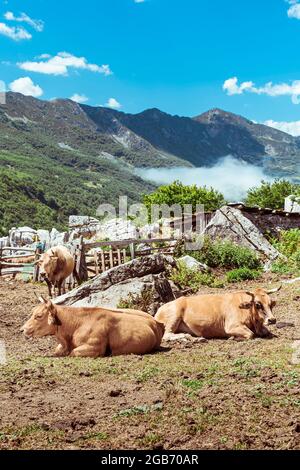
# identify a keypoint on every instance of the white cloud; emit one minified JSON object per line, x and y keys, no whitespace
{"x":17,"y":34}
{"x":292,"y":128}
{"x":26,"y":86}
{"x":219,"y":176}
{"x":232,"y":87}
{"x":38,"y":25}
{"x":113,"y":104}
{"x":79,"y":98}
{"x":61,"y":63}
{"x":294,"y":10}
{"x":139,"y":1}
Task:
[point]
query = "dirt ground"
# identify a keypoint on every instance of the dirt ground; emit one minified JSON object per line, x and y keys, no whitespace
{"x":217,"y":395}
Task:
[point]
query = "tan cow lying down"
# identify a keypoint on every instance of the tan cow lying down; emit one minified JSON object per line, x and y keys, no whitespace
{"x":56,"y":265}
{"x":95,"y":332}
{"x":240,"y":315}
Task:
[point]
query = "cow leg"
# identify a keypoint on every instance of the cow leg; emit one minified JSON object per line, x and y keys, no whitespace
{"x":264,"y":332}
{"x":49,"y":284}
{"x":240,"y":333}
{"x":59,"y":284}
{"x":61,"y":350}
{"x":88,"y":350}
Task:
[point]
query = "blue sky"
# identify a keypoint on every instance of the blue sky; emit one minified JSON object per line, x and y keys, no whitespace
{"x":182,"y":56}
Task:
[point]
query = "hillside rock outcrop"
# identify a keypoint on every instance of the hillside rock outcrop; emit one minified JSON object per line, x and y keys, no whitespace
{"x":229,"y":223}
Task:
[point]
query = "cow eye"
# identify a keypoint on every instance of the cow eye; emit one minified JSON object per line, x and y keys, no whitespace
{"x":258,"y":305}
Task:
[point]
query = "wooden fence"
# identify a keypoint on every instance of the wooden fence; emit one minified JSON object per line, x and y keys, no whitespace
{"x":114,"y":253}
{"x":13,"y":263}
{"x":91,"y":259}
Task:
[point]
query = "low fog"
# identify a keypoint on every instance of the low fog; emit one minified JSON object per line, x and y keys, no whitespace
{"x":230,"y":176}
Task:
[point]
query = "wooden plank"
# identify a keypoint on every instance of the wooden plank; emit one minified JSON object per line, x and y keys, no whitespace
{"x":102,"y":261}
{"x":111,"y":259}
{"x":12,"y":248}
{"x":96,"y":262}
{"x":122,"y":243}
{"x":119,"y":256}
{"x":132,"y":253}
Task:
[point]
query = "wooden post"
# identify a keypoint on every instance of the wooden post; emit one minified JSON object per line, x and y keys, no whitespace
{"x":81,"y":263}
{"x":102,"y":261}
{"x":132,"y":250}
{"x":36,"y":272}
{"x":111,"y":258}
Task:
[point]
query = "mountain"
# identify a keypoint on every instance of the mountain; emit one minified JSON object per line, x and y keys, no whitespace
{"x":59,"y":157}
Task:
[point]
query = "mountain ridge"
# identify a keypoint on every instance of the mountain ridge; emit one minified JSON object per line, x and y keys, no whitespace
{"x":94,"y":151}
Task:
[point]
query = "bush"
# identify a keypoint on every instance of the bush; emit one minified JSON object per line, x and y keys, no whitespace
{"x":272,"y":195}
{"x":289,"y":245}
{"x":185,"y":278}
{"x":225,"y":254}
{"x":141,"y":301}
{"x":243,"y":274}
{"x":289,"y":242}
{"x":177,"y":193}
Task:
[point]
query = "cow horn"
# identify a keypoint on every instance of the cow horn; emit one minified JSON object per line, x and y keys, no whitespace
{"x":251,"y":294}
{"x":42,"y":299}
{"x":273,"y":291}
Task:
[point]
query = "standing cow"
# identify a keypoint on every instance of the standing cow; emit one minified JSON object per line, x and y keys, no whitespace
{"x":240,"y":315}
{"x":56,"y":265}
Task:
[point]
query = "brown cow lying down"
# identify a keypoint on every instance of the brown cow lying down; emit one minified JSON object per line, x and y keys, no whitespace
{"x":94,"y":332}
{"x":240,"y":315}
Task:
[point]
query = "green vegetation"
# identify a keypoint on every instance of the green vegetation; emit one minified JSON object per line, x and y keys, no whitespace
{"x":289,"y":245}
{"x":225,"y":254}
{"x":178,"y":193}
{"x":272,"y":195}
{"x":42,"y":192}
{"x":243,"y":274}
{"x":192,"y":279}
{"x":139,"y":302}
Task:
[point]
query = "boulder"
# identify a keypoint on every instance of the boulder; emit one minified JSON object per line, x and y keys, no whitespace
{"x":292,"y":204}
{"x":135,"y":277}
{"x":58,"y":238}
{"x":229,"y":223}
{"x":83,"y":226}
{"x":21,"y":236}
{"x":117,"y":229}
{"x":192,"y":263}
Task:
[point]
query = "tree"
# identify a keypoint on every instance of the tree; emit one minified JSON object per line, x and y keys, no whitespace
{"x":177,"y":193}
{"x":272,"y":195}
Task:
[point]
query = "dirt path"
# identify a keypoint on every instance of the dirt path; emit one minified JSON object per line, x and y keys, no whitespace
{"x":218,"y":395}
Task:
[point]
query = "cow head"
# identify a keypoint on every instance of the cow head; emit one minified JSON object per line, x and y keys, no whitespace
{"x":261,"y":305}
{"x":43,"y":320}
{"x":47,"y":264}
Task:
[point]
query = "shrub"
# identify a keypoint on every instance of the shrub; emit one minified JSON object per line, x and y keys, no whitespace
{"x":225,"y":254}
{"x":289,"y":245}
{"x":177,"y":193}
{"x":185,"y":278}
{"x":242,"y":274}
{"x":141,"y":301}
{"x":272,"y":195}
{"x":289,"y":242}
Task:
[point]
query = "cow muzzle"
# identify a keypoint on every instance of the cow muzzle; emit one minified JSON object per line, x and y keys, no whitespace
{"x":271,"y":321}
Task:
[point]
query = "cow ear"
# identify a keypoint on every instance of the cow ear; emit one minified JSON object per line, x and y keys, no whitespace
{"x":246,"y":305}
{"x":52,"y":317}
